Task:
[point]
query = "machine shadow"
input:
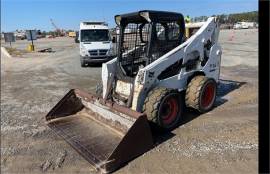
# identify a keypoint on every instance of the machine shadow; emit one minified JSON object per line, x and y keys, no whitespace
{"x":224,"y":88}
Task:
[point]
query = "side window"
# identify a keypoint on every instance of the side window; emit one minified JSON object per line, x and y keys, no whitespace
{"x":169,"y":30}
{"x":173,"y":31}
{"x":164,"y":38}
{"x":160,"y":31}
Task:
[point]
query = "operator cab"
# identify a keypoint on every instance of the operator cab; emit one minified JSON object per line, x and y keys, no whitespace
{"x":144,"y":37}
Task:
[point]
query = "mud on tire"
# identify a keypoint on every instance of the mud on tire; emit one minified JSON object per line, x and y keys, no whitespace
{"x":201,"y":93}
{"x":160,"y":98}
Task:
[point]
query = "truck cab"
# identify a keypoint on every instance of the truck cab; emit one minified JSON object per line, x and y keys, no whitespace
{"x":95,"y":43}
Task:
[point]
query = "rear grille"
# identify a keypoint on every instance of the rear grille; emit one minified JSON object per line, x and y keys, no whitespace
{"x":101,"y":52}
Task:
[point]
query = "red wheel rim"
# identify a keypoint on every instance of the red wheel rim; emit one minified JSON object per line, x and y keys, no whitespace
{"x":208,"y":95}
{"x":169,"y":110}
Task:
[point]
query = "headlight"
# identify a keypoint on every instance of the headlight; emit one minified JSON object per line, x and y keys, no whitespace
{"x":84,"y":51}
{"x":110,"y":52}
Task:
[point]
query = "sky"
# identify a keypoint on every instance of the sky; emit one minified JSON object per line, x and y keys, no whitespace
{"x":67,"y":14}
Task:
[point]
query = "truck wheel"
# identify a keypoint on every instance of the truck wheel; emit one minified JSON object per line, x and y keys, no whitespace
{"x":201,"y":93}
{"x":83,"y":64}
{"x":163,"y":107}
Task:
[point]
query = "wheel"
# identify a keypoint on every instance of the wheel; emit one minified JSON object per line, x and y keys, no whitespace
{"x":163,"y":107}
{"x":201,"y":93}
{"x":83,"y":64}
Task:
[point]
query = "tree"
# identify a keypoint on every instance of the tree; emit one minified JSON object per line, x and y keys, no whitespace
{"x":232,"y":18}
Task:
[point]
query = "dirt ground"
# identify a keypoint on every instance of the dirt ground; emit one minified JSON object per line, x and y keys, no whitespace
{"x":224,"y":140}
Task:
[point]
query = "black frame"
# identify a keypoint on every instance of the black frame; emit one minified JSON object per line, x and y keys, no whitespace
{"x":155,"y":17}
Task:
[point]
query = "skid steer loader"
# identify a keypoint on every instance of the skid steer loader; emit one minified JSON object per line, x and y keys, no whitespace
{"x":157,"y":72}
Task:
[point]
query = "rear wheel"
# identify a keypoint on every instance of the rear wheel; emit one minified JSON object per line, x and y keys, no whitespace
{"x":201,"y":93}
{"x":163,"y":107}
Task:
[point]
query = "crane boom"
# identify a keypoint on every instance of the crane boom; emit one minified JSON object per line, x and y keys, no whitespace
{"x":58,"y":30}
{"x":54,"y":24}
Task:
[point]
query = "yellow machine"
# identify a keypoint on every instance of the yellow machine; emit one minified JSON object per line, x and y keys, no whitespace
{"x":191,"y":28}
{"x":72,"y":34}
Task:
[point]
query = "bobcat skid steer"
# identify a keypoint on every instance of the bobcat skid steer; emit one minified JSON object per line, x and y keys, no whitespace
{"x":158,"y":71}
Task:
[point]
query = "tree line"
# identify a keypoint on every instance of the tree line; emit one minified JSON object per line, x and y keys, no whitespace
{"x":231,"y":18}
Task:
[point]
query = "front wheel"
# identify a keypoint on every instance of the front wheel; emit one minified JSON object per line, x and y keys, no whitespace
{"x":163,"y":107}
{"x":83,"y":63}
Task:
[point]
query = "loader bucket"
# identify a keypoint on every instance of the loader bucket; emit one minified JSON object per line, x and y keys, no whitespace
{"x":107,"y":135}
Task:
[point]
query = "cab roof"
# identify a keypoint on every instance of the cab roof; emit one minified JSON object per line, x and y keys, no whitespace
{"x":147,"y":16}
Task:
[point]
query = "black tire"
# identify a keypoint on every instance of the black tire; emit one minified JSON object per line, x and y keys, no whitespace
{"x":83,"y":64}
{"x":160,"y":107}
{"x":201,"y":93}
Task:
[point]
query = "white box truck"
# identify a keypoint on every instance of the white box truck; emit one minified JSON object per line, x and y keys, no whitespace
{"x":96,"y":44}
{"x":244,"y":25}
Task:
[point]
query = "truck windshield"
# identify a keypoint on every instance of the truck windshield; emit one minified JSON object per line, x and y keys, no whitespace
{"x":94,"y":35}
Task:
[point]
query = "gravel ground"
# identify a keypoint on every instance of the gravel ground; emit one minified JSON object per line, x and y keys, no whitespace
{"x":224,"y":140}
